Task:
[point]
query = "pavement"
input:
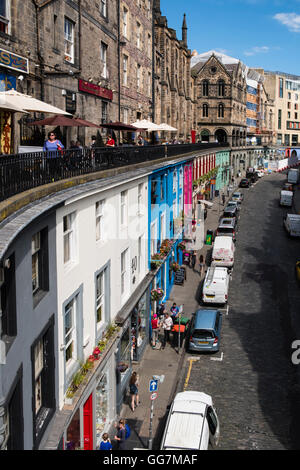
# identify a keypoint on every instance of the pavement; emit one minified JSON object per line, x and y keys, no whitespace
{"x":167,"y":362}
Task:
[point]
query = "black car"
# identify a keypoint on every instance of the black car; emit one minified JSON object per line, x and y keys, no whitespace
{"x":244,"y":183}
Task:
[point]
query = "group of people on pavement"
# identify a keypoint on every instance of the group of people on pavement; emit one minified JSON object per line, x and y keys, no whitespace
{"x":164,"y":320}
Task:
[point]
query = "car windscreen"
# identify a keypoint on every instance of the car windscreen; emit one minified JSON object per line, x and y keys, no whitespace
{"x":202,"y":334}
{"x":225,"y":230}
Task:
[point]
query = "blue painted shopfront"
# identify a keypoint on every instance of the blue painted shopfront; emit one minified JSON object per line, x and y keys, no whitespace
{"x":166,"y":200}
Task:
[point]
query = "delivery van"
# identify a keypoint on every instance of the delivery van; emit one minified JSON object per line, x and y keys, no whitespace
{"x":293,"y":176}
{"x":291,"y":222}
{"x":223,"y":252}
{"x":192,"y":423}
{"x":286,"y":198}
{"x":216,"y":285}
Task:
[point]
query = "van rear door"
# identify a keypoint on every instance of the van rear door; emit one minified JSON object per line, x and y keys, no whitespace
{"x":214,"y":426}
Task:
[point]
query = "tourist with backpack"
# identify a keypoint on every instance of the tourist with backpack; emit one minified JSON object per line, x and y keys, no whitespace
{"x":120,"y":436}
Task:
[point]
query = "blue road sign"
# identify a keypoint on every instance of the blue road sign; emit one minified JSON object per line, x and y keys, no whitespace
{"x":153,"y":386}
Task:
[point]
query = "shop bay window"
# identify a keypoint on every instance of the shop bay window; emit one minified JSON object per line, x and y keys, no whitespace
{"x":102,"y":406}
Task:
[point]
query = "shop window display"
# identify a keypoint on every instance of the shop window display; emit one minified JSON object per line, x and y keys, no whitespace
{"x":73,"y":433}
{"x":138,"y":326}
{"x":101,"y":407}
{"x":124,"y":362}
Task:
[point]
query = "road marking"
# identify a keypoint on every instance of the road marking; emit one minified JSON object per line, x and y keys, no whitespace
{"x":219,"y":359}
{"x":196,"y":359}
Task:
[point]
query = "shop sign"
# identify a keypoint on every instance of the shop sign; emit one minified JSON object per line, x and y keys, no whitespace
{"x":96,"y":90}
{"x":13,"y":61}
{"x":71,"y":102}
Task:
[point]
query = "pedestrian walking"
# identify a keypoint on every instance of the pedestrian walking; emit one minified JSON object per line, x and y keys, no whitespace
{"x":193,"y":260}
{"x":161,"y":311}
{"x":174,"y":311}
{"x":120,"y":436}
{"x":201,"y":265}
{"x":167,"y":326}
{"x":223,"y":199}
{"x":105,"y":443}
{"x":134,"y":390}
{"x":155,"y":324}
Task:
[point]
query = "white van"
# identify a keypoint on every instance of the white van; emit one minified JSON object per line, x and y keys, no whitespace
{"x":223,"y":252}
{"x":291,"y":223}
{"x":192,"y":423}
{"x":216,"y":285}
{"x":286,"y":198}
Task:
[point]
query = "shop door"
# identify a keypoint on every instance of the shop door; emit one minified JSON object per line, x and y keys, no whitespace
{"x":88,"y":423}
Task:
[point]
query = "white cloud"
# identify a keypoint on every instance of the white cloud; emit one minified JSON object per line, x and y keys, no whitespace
{"x":257,"y":50}
{"x":291,"y":20}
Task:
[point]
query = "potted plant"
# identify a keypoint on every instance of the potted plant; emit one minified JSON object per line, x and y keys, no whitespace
{"x":157,"y":294}
{"x":97,"y":353}
{"x":175,"y":267}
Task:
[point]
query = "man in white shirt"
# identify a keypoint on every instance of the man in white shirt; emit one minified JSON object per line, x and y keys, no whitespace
{"x":167,"y":326}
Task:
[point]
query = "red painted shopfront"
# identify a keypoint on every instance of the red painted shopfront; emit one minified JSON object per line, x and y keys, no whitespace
{"x":88,"y":423}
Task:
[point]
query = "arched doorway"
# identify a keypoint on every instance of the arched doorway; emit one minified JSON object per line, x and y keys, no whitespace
{"x":204,"y":135}
{"x":221,"y":136}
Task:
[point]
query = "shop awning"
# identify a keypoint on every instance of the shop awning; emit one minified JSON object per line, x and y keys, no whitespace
{"x":166,"y":127}
{"x":11,"y":107}
{"x":28,"y":103}
{"x":146,"y":125}
{"x":206,"y":203}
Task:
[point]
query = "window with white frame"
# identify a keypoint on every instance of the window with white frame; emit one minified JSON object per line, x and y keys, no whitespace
{"x":69,"y":40}
{"x":36,"y":264}
{"x":153,"y":239}
{"x":100,"y":298}
{"x":140,"y":198}
{"x":4,"y":16}
{"x":174,"y":181}
{"x":124,"y":272}
{"x":124,"y":211}
{"x":38,"y":370}
{"x":99,"y":220}
{"x":103,"y":57}
{"x":125,"y":70}
{"x":70,"y":331}
{"x":103,"y":8}
{"x":104,"y":112}
{"x":125,"y":22}
{"x":69,"y":237}
{"x":162,"y":227}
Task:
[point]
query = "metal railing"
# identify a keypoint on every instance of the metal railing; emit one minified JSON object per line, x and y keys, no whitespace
{"x":25,"y":171}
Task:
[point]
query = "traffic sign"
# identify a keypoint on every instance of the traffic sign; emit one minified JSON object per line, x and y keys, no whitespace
{"x":153,"y":385}
{"x":153,"y":396}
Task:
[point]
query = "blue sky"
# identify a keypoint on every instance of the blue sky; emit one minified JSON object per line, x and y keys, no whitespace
{"x":261,"y":33}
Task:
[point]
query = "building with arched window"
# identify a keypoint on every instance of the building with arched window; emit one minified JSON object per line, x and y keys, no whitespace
{"x":221,"y":93}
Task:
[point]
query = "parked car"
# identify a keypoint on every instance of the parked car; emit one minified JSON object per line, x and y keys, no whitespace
{"x":244,"y":183}
{"x":192,"y":423}
{"x":227,"y":228}
{"x":286,"y":198}
{"x":291,"y":222}
{"x":215,"y":286}
{"x":223,"y":252}
{"x":205,"y":330}
{"x":230,"y":212}
{"x":238,"y":197}
{"x":234,"y":204}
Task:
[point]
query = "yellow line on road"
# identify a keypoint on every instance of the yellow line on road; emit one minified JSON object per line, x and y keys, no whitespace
{"x":189,"y":373}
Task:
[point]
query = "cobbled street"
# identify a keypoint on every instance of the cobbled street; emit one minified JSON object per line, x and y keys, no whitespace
{"x":255,"y":385}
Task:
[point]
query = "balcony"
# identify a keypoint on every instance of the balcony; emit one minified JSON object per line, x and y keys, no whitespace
{"x":22,"y":172}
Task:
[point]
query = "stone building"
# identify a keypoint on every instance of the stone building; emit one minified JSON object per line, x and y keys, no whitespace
{"x":135,"y":60}
{"x":173,"y":84}
{"x":221,"y":98}
{"x":72,"y":54}
{"x":284,"y":90}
